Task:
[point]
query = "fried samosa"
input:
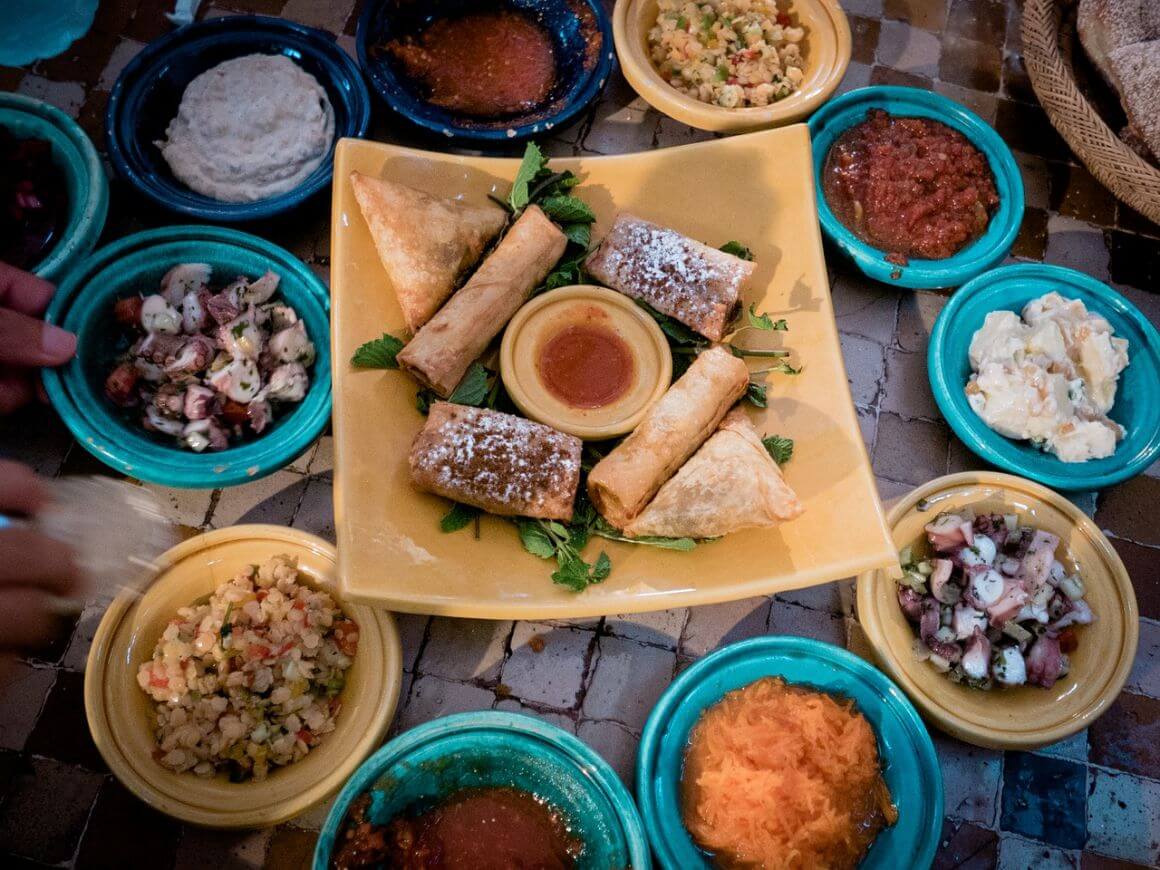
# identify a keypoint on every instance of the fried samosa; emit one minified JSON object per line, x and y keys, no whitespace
{"x":425,"y":243}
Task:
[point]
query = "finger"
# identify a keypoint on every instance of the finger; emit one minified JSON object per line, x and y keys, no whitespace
{"x":28,"y":558}
{"x":26,"y":341}
{"x":23,"y":292}
{"x":26,"y":619}
{"x":21,"y":492}
{"x":16,"y":391}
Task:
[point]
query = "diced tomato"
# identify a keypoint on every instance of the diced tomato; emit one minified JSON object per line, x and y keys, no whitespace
{"x":257,"y":651}
{"x":306,"y":737}
{"x":127,"y":311}
{"x":346,"y":636}
{"x":286,"y":647}
{"x":783,"y":19}
{"x":158,"y":682}
{"x":298,"y":604}
{"x":1068,"y":641}
{"x":261,"y":594}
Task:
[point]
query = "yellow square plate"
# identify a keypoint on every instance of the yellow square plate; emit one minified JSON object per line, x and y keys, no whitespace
{"x":757,"y":189}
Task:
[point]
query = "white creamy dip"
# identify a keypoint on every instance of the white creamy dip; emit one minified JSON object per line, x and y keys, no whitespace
{"x":249,"y":128}
{"x":1049,"y":377}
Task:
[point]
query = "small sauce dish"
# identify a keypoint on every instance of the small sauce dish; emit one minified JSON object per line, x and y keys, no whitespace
{"x":581,"y":47}
{"x":586,"y":360}
{"x":985,"y":252}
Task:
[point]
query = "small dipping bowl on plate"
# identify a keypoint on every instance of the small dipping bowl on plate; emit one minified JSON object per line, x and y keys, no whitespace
{"x":491,"y":749}
{"x":120,"y":715}
{"x":984,"y":252}
{"x":1020,"y":717}
{"x":580,"y":38}
{"x":85,"y":185}
{"x":149,"y":90}
{"x":84,"y":304}
{"x":826,"y":55}
{"x":1137,"y":405}
{"x":906,"y":753}
{"x":585,"y":360}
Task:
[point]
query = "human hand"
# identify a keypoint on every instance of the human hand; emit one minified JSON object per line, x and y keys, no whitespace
{"x":27,"y":342}
{"x":32,"y":567}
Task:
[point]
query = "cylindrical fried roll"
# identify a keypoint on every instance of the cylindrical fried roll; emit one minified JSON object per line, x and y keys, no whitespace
{"x":625,"y":480}
{"x":441,"y":351}
{"x":497,"y":462}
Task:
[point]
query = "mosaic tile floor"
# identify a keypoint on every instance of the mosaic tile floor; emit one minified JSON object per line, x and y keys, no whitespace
{"x":1090,"y":802}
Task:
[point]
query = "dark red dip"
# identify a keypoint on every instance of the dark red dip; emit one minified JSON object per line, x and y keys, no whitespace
{"x":586,"y":365}
{"x":474,"y":829}
{"x":33,"y":200}
{"x":910,"y":186}
{"x":484,"y":64}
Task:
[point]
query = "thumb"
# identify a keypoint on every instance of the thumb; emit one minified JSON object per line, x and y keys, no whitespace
{"x":26,"y":341}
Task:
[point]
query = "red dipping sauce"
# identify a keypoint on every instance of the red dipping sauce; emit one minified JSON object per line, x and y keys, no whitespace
{"x":586,"y":365}
{"x":910,"y":186}
{"x":475,"y":829}
{"x":484,"y":64}
{"x":33,"y":200}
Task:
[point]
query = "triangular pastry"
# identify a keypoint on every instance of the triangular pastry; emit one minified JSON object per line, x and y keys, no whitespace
{"x":730,"y":483}
{"x":425,"y":243}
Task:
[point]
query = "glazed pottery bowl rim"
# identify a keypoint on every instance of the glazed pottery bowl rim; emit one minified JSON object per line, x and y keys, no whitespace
{"x":455,"y":725}
{"x":400,"y":97}
{"x":342,"y":76}
{"x":985,"y":252}
{"x":86,"y":216}
{"x":381,"y":661}
{"x":170,"y":465}
{"x":646,"y":81}
{"x":875,"y":590}
{"x":679,"y":694}
{"x":602,"y":296}
{"x":1020,"y":458}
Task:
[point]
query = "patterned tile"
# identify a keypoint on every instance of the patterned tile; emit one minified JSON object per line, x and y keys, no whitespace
{"x":432,"y":697}
{"x":826,"y":597}
{"x":1135,"y":260}
{"x":272,"y":499}
{"x":917,"y":313}
{"x":908,"y":49}
{"x":1078,"y":245}
{"x":1145,"y":676}
{"x":1031,"y":243}
{"x":656,"y":627}
{"x":23,"y":691}
{"x":909,"y":451}
{"x":970,"y":64}
{"x":864,"y":368}
{"x":465,"y":649}
{"x":627,"y":680}
{"x":971,"y":778}
{"x":153,"y":842}
{"x":1076,"y":193}
{"x":291,"y":849}
{"x":863,"y":307}
{"x":1123,"y":817}
{"x":46,"y":810}
{"x":1043,"y":799}
{"x":315,"y":513}
{"x":927,"y":14}
{"x":560,"y":720}
{"x":798,"y":621}
{"x":616,"y":745}
{"x":907,"y":391}
{"x":1074,"y":748}
{"x":964,"y":846}
{"x":1127,"y":736}
{"x":331,"y":16}
{"x":62,"y":731}
{"x":864,"y":32}
{"x":1015,"y":853}
{"x":237,"y":850}
{"x":1143,"y":564}
{"x":1127,"y":510}
{"x":715,"y":625}
{"x":547,"y":664}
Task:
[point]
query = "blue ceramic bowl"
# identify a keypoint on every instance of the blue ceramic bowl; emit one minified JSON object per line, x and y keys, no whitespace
{"x":84,"y":177}
{"x":34,"y":29}
{"x":489,"y":749}
{"x":149,"y":90}
{"x":837,"y":116}
{"x":1137,"y":406}
{"x":910,"y":766}
{"x":581,"y":70}
{"x":84,"y":305}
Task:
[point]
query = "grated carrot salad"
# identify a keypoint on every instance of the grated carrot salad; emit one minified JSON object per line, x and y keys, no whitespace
{"x":781,"y":776}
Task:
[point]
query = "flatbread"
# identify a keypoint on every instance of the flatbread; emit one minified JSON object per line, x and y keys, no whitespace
{"x":425,"y":243}
{"x":730,"y":483}
{"x":1136,"y":69}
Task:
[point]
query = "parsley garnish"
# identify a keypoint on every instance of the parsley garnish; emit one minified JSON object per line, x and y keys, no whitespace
{"x":755,"y":394}
{"x":227,"y":628}
{"x":379,"y":353}
{"x":737,"y":249}
{"x":458,"y":517}
{"x":779,"y":447}
{"x":472,"y":390}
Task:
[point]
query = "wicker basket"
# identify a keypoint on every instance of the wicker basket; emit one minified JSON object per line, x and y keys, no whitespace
{"x":1120,"y":169}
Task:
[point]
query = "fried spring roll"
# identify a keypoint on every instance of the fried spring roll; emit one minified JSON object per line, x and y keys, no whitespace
{"x":499,"y":463}
{"x":625,"y":480}
{"x":678,"y":276}
{"x":440,"y":353}
{"x":730,"y":483}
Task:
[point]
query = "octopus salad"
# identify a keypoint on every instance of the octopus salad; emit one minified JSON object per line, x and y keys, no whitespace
{"x":207,"y":367}
{"x":992,"y":604}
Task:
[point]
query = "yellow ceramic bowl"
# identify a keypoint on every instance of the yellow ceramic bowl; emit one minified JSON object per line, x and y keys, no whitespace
{"x":827,"y":54}
{"x":1023,"y":717}
{"x":540,"y":319}
{"x":119,"y":713}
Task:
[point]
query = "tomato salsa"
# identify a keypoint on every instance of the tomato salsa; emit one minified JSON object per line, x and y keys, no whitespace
{"x":474,"y":829}
{"x":586,"y":365}
{"x":485,"y":64}
{"x":912,"y":187}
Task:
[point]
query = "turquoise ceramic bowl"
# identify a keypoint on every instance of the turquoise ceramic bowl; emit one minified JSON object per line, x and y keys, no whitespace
{"x":493,"y":748}
{"x":837,"y":116}
{"x":1137,"y":406}
{"x":84,"y":305}
{"x":88,"y":188}
{"x":910,"y":765}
